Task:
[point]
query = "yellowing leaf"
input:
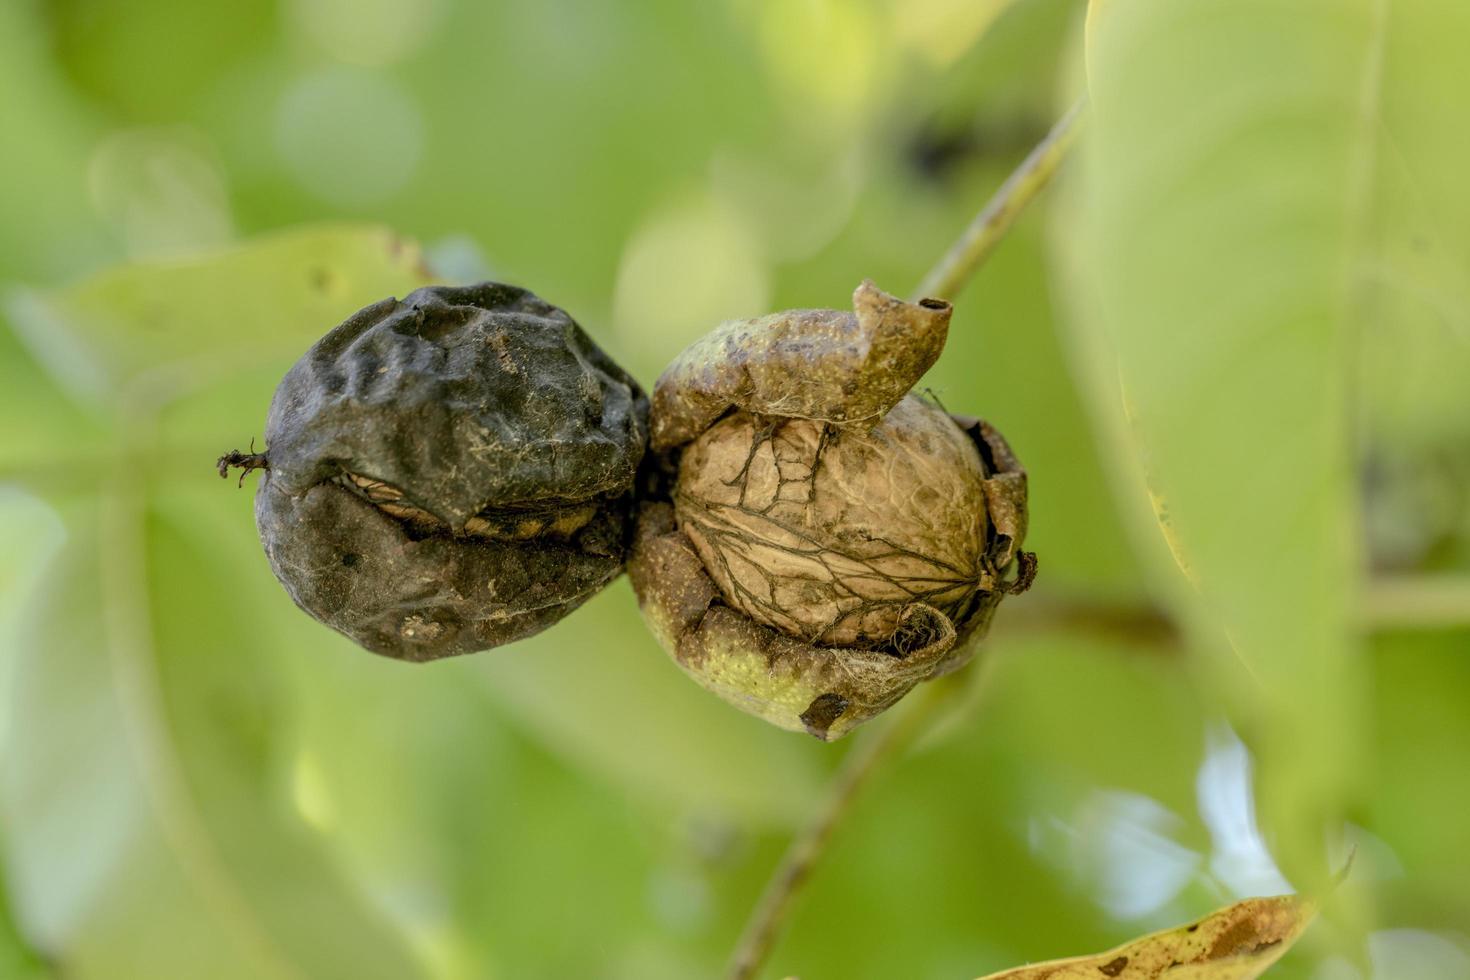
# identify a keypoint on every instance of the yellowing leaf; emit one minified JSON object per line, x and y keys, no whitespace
{"x":1238,"y":942}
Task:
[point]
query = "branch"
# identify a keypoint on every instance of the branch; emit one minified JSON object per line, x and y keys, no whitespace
{"x":990,"y":226}
{"x":763,"y":927}
{"x":1141,"y":625}
{"x":1419,"y":602}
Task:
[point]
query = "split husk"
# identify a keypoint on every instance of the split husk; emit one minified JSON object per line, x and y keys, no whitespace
{"x":819,"y":541}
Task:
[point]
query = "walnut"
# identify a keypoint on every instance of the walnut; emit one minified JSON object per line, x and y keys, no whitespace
{"x":449,"y":472}
{"x":822,"y":540}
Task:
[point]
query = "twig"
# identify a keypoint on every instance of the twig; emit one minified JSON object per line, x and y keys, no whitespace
{"x":1418,"y":602}
{"x":1140,"y":625}
{"x":995,"y":219}
{"x":764,"y":925}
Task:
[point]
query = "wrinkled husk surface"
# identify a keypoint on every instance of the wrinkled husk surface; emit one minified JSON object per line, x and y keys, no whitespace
{"x":770,"y":539}
{"x":829,"y":533}
{"x":450,"y":472}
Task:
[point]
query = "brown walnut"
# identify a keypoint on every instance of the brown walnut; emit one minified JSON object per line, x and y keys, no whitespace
{"x":822,"y":541}
{"x":449,"y":472}
{"x":828,"y":534}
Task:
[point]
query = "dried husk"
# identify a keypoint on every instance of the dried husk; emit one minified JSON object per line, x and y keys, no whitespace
{"x":450,"y":472}
{"x":822,"y":543}
{"x":836,"y":366}
{"x":463,"y":398}
{"x":422,"y":594}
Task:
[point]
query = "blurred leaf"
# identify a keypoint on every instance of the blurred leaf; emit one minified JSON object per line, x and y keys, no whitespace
{"x":834,"y":87}
{"x":1223,"y":191}
{"x":40,"y":426}
{"x":1009,"y":792}
{"x":943,"y":30}
{"x":32,"y":533}
{"x":1236,"y":943}
{"x":152,"y":724}
{"x":129,"y":655}
{"x":103,"y":43}
{"x":81,"y":363}
{"x":599,"y":690}
{"x":18,"y":961}
{"x":1414,"y":298}
{"x":1419,"y":726}
{"x":173,"y":326}
{"x":1414,"y":267}
{"x":46,"y":226}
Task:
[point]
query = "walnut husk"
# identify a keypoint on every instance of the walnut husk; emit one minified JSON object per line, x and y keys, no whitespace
{"x":831,"y":365}
{"x":820,"y":542}
{"x":449,"y":472}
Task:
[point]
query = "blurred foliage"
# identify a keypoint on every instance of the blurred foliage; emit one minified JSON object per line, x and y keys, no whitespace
{"x":1281,"y":339}
{"x":1244,"y":330}
{"x":1263,"y":243}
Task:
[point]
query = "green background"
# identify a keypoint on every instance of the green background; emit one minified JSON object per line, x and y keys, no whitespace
{"x":1245,"y":310}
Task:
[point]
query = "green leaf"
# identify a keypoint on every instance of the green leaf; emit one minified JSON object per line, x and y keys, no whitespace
{"x":600,"y":691}
{"x":1420,"y":732}
{"x":41,"y":429}
{"x":1222,"y":197}
{"x":1414,"y":268}
{"x":47,"y":226}
{"x":943,"y":30}
{"x":17,"y":960}
{"x":1414,"y":298}
{"x":160,"y":688}
{"x":151,"y":331}
{"x":32,"y":534}
{"x":152,"y":722}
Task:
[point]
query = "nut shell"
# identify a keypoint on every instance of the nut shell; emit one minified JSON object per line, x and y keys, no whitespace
{"x":829,"y":534}
{"x":799,"y":686}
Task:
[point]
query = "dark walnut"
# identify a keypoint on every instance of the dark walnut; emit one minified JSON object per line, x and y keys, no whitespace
{"x":449,"y":472}
{"x":821,"y":540}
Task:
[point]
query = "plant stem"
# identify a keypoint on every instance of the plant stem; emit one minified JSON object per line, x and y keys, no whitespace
{"x":990,"y":226}
{"x":763,"y":927}
{"x":1422,"y":602}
